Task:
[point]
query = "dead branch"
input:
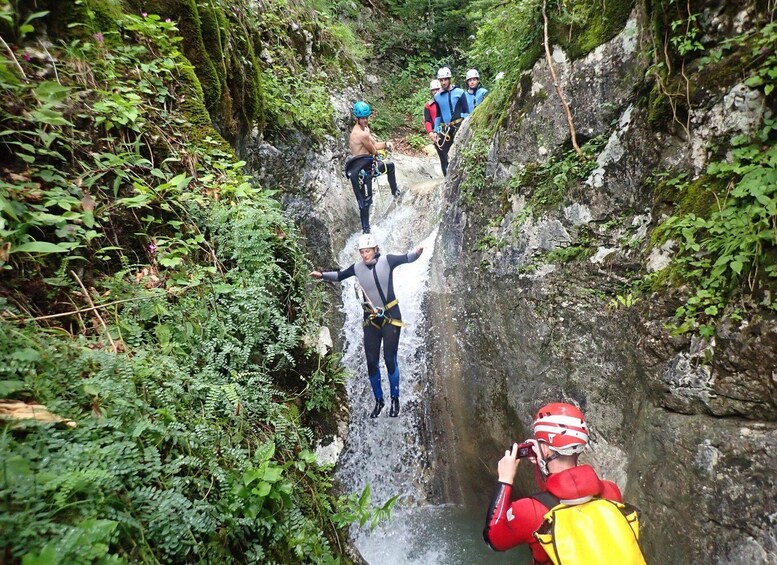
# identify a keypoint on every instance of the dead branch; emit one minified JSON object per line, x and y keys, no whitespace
{"x":556,"y":85}
{"x":82,"y":310}
{"x":14,"y":410}
{"x":96,"y":313}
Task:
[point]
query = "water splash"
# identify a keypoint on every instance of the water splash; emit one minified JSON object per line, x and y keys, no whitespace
{"x":385,"y":452}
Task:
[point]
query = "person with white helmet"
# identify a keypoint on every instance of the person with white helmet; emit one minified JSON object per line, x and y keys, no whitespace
{"x":364,"y":163}
{"x":431,"y":110}
{"x":453,"y":108}
{"x":475,"y":93}
{"x":560,"y":434}
{"x":382,"y":317}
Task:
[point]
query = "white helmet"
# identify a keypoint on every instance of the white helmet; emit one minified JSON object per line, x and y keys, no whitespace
{"x":444,"y":72}
{"x":435,"y":85}
{"x":473,"y":73}
{"x":367,"y":241}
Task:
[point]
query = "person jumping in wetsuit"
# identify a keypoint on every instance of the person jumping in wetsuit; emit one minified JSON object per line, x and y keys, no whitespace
{"x":382,"y":318}
{"x":359,"y":168}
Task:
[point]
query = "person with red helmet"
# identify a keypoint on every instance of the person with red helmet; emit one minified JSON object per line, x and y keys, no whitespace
{"x":560,"y":434}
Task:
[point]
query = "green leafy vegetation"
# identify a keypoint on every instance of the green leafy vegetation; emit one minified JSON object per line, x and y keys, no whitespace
{"x":154,"y":301}
{"x":731,"y":248}
{"x":475,"y":157}
{"x":399,"y":107}
{"x":724,"y":222}
{"x":547,"y":185}
{"x":509,"y":39}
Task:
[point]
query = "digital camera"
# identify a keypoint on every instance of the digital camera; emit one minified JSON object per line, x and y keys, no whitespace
{"x":525,"y":450}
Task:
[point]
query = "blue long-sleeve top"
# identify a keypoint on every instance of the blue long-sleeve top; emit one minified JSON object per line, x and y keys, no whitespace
{"x":475,"y":97}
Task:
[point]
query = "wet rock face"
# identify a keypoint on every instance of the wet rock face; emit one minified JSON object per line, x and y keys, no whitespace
{"x":309,"y":174}
{"x":706,"y":488}
{"x":731,"y":375}
{"x":686,"y":426}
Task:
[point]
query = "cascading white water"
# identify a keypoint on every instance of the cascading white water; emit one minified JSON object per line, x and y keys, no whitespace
{"x":381,"y":451}
{"x":388,"y":454}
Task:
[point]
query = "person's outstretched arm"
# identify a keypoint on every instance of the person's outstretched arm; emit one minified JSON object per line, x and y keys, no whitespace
{"x":333,"y":276}
{"x":409,"y":257}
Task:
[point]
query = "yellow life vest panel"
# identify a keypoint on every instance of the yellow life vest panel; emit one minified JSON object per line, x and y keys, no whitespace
{"x":597,"y":532}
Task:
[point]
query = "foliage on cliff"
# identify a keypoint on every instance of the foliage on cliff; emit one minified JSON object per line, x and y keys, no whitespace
{"x":723,"y":222}
{"x":155,"y":296}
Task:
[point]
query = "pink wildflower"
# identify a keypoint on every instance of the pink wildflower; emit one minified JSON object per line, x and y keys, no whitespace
{"x":26,"y":57}
{"x":99,"y":36}
{"x":144,"y":14}
{"x":152,"y":248}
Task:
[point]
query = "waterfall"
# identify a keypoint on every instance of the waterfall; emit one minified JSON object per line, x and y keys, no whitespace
{"x":393,"y":455}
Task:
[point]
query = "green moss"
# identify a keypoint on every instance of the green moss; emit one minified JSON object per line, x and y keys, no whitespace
{"x":190,"y":24}
{"x":659,"y":109}
{"x":216,"y":94}
{"x":243,"y":70}
{"x":700,"y":196}
{"x":567,"y":254}
{"x":583,"y":26}
{"x":66,"y":18}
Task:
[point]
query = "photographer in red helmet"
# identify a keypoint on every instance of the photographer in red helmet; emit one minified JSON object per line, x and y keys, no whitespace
{"x":560,"y":434}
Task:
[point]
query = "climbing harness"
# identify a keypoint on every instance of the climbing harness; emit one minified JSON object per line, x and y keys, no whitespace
{"x":374,"y":172}
{"x":377,"y":317}
{"x":445,"y":132}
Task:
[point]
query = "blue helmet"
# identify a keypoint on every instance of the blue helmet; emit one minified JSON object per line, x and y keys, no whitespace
{"x":361,"y":110}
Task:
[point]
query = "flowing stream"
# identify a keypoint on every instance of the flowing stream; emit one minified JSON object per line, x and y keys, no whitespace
{"x":393,"y":455}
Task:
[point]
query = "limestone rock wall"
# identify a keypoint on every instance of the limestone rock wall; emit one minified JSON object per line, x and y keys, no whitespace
{"x":686,"y":426}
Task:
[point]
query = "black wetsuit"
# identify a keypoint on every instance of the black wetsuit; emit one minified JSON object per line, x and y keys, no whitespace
{"x":453,"y":107}
{"x":377,"y":283}
{"x":359,"y":170}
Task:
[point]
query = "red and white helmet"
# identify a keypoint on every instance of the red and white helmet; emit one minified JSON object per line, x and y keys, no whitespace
{"x":563,"y":427}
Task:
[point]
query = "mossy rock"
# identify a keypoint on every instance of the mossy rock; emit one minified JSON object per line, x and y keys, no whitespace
{"x":592,"y":24}
{"x":659,"y":109}
{"x":219,"y":45}
{"x":715,"y":76}
{"x":191,"y":25}
{"x":699,"y":196}
{"x":68,"y":19}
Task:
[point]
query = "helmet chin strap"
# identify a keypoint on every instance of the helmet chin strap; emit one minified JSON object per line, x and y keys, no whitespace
{"x":542,"y":462}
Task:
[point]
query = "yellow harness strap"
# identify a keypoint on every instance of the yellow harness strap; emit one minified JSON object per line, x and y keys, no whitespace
{"x":377,"y":317}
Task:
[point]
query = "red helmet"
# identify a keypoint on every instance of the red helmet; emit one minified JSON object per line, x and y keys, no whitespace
{"x":562,"y":426}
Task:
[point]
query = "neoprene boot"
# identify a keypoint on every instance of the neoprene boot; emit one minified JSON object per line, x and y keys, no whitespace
{"x":364,"y":215}
{"x":394,"y":412}
{"x":379,"y":404}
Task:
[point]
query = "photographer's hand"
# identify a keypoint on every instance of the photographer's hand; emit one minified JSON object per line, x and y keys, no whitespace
{"x":508,"y":465}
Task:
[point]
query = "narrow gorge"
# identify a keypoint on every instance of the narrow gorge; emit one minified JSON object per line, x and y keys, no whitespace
{"x":171,"y":172}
